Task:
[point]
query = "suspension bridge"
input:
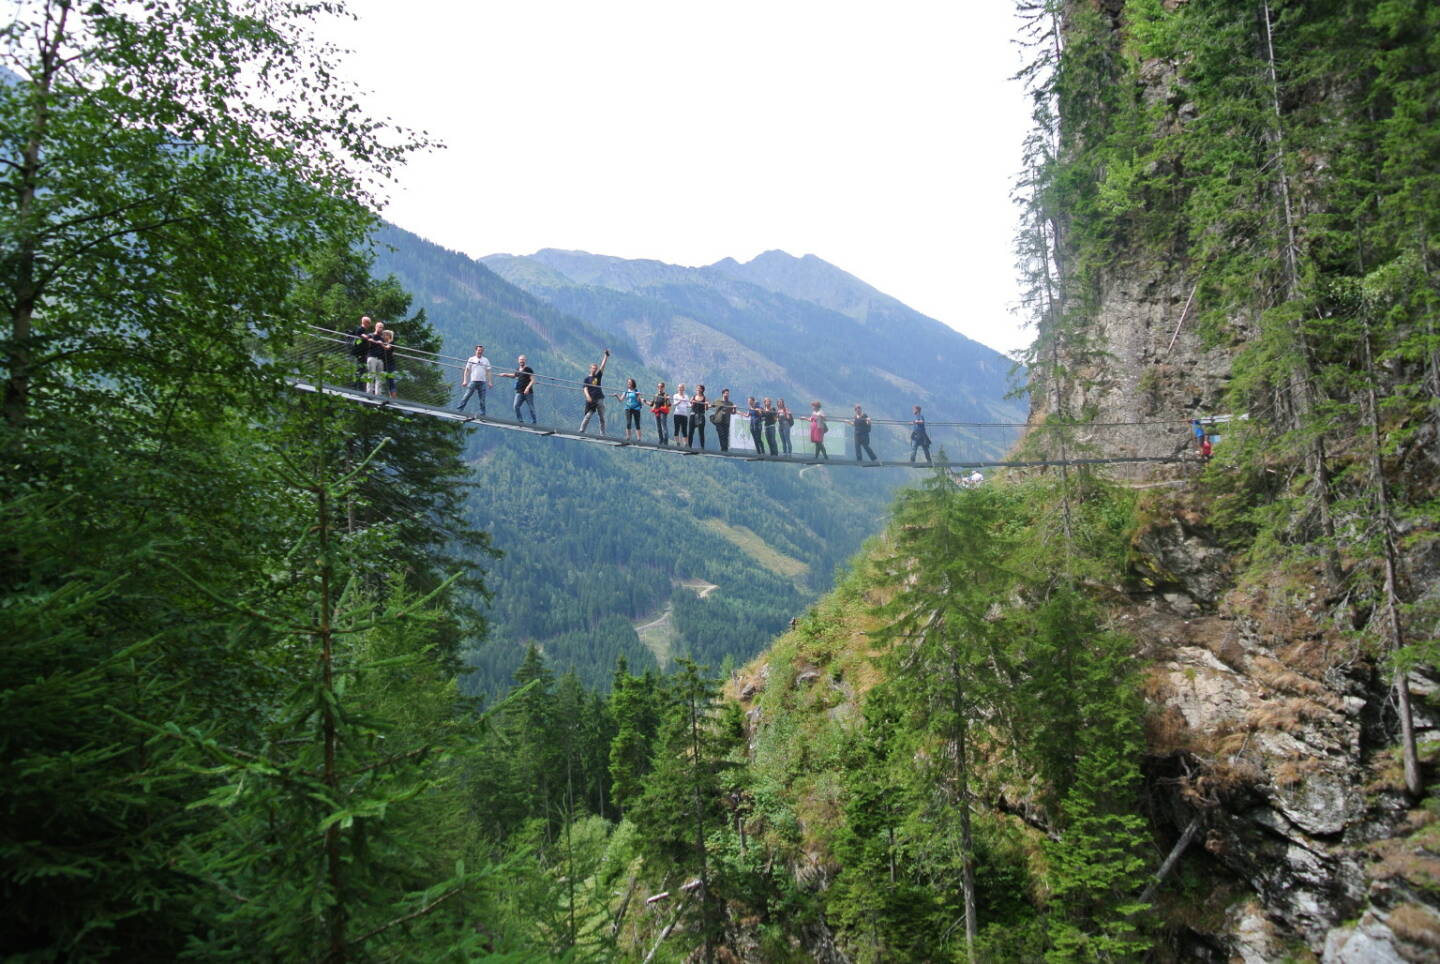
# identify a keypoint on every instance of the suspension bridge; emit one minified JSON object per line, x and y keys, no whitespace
{"x":427,"y":384}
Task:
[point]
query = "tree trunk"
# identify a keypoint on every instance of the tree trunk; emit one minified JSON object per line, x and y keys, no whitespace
{"x":1394,"y":631}
{"x":1171,"y":860}
{"x":1302,"y":368}
{"x":967,"y":842}
{"x":27,"y":187}
{"x":334,"y":913}
{"x":700,"y":851}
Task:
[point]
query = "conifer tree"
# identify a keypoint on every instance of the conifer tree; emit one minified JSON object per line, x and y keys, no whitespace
{"x":949,"y":570}
{"x":682,"y":802}
{"x":306,"y":862}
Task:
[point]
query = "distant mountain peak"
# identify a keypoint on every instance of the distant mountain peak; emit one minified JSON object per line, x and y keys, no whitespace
{"x":808,"y":278}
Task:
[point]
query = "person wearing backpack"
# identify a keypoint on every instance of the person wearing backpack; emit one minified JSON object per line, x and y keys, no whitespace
{"x":919,"y":438}
{"x":631,"y":401}
{"x":818,"y":428}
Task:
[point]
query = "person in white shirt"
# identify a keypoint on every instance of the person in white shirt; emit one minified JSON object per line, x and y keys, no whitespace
{"x":475,"y":378}
{"x":680,"y":408}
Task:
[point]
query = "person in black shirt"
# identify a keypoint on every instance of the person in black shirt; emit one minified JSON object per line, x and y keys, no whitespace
{"x":594,"y":394}
{"x":387,"y":348}
{"x":697,"y":417}
{"x":524,"y":377}
{"x":375,"y":358}
{"x":359,"y":345}
{"x":919,"y":438}
{"x":770,"y":415}
{"x":862,"y":435}
{"x":757,"y":419}
{"x":724,"y":410}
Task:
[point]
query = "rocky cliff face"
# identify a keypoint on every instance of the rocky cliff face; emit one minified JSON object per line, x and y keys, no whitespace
{"x":1271,"y":724}
{"x":1271,"y":727}
{"x":1152,"y":372}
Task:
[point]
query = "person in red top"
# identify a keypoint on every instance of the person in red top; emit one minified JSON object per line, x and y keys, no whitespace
{"x":660,"y":405}
{"x":818,"y":428}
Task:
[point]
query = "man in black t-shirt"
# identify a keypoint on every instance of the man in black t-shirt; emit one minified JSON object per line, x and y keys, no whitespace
{"x":524,"y":377}
{"x":594,"y":394}
{"x":861,"y":423}
{"x":375,"y":356}
{"x":359,"y":348}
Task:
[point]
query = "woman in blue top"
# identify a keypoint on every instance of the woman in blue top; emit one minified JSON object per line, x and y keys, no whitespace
{"x":631,"y":401}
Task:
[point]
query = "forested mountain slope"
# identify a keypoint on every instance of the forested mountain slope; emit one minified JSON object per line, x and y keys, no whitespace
{"x":598,"y":544}
{"x":1192,"y":717}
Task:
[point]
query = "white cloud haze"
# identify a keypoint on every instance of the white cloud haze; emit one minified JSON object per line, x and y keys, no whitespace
{"x":880,"y":137}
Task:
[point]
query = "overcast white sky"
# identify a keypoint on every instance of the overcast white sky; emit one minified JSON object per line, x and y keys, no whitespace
{"x":882,"y":137}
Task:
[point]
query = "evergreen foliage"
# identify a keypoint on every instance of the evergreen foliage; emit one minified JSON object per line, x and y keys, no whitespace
{"x":1279,"y":159}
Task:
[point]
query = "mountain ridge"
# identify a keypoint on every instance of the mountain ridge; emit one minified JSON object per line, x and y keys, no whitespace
{"x":730,"y":321}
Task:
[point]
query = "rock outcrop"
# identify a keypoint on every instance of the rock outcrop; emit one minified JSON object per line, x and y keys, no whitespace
{"x":1271,"y":723}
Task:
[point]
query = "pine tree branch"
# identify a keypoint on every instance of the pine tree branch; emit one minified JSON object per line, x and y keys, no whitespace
{"x":420,"y":912}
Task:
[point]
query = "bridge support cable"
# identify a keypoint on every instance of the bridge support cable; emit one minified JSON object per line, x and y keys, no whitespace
{"x":428,"y":384}
{"x":741,"y":455}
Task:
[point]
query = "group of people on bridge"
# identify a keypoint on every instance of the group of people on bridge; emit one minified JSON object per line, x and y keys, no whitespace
{"x":681,"y":415}
{"x":373,"y":347}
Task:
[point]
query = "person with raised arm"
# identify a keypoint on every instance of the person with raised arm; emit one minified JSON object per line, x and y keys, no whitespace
{"x":785,"y":421}
{"x":594,"y":394}
{"x":524,"y":377}
{"x":720,"y":418}
{"x":660,"y":407}
{"x":770,"y":415}
{"x":861,"y":422}
{"x":698,"y":404}
{"x":680,"y":406}
{"x":818,"y":428}
{"x":475,"y":378}
{"x":919,"y":437}
{"x":756,"y":414}
{"x":631,"y":402}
